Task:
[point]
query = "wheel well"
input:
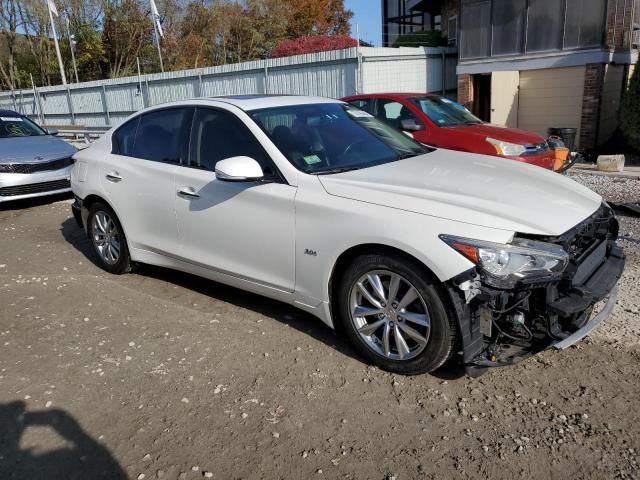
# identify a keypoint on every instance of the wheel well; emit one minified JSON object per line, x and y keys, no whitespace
{"x":91,"y":199}
{"x":345,"y":259}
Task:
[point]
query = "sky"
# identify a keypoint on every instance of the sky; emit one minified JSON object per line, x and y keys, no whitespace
{"x":367,"y":15}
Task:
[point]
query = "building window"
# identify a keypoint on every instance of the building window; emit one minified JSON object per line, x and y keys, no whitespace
{"x":515,"y":27}
{"x":437,"y":22}
{"x":401,"y":17}
{"x":544,"y":25}
{"x":476,"y":29}
{"x":585,"y":23}
{"x":452,"y":31}
{"x":508,"y":22}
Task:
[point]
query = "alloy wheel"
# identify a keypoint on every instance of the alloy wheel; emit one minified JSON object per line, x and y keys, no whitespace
{"x":106,"y":237}
{"x":390,"y":315}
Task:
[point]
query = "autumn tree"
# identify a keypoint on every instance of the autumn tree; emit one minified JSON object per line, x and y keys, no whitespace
{"x":318,"y":17}
{"x":111,"y":34}
{"x":125,"y":31}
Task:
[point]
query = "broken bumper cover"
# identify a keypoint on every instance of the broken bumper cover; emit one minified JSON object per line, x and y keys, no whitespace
{"x":558,"y":315}
{"x":591,"y":324}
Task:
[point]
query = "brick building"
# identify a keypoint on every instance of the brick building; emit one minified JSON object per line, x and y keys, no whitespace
{"x":535,"y":64}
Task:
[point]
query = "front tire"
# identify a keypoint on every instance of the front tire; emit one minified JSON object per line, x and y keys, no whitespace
{"x":108,"y":240}
{"x":392,"y":312}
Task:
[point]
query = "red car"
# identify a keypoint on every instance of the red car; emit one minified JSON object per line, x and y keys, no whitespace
{"x":441,"y":122}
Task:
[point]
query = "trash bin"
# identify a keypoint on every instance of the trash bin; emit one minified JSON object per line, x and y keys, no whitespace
{"x":568,"y":135}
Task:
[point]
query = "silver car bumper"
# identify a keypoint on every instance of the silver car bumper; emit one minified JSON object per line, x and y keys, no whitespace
{"x":17,"y":186}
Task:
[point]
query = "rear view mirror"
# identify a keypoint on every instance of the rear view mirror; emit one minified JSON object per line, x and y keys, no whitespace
{"x":411,"y":125}
{"x":52,"y":131}
{"x":239,"y":169}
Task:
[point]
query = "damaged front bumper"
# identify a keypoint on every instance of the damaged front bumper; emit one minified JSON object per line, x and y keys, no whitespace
{"x":501,"y":327}
{"x":591,"y":324}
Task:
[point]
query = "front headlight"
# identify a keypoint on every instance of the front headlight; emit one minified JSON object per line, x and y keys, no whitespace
{"x":506,"y":148}
{"x":504,"y":265}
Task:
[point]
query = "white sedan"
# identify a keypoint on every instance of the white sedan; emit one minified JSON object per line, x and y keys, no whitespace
{"x":418,"y":255}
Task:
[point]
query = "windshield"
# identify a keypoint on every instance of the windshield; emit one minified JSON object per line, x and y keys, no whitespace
{"x":333,"y":137}
{"x":444,"y":112}
{"x":19,"y":127}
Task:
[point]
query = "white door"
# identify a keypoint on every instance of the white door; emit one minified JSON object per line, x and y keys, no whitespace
{"x":245,"y":229}
{"x":139,"y":177}
{"x":504,"y":98}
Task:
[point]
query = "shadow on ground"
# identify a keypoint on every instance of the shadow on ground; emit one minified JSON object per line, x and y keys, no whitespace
{"x":80,"y":457}
{"x":8,"y":204}
{"x":276,"y":310}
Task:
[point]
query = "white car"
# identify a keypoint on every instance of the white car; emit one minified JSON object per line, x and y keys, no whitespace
{"x":418,"y":255}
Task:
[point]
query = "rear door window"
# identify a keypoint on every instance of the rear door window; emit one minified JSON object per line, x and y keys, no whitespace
{"x":162,"y":135}
{"x":123,"y":139}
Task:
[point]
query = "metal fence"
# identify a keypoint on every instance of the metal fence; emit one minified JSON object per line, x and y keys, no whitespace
{"x":333,"y":74}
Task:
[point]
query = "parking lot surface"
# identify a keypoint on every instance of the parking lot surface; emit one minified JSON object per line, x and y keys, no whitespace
{"x":158,"y":374}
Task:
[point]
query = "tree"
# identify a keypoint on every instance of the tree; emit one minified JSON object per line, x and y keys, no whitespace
{"x":111,"y":34}
{"x":126,"y":29}
{"x":318,"y":17}
{"x":9,"y":22}
{"x":35,"y":22}
{"x":630,"y":111}
{"x":312,"y":44}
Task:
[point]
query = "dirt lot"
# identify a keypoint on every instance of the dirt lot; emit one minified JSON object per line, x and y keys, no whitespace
{"x":163,"y":375}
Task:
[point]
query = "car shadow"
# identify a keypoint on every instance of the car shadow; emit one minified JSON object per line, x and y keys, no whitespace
{"x":81,"y":457}
{"x":25,"y":203}
{"x":282,"y":312}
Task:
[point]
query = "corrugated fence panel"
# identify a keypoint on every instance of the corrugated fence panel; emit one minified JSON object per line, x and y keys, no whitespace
{"x":24,"y":104}
{"x":332,"y":80}
{"x":122,"y":98}
{"x":236,"y":84}
{"x":328,"y":74}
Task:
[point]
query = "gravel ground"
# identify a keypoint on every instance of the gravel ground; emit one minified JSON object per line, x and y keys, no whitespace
{"x":158,"y":374}
{"x":624,"y":326}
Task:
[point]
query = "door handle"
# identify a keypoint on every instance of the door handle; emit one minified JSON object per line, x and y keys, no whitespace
{"x":188,"y":193}
{"x":113,"y":177}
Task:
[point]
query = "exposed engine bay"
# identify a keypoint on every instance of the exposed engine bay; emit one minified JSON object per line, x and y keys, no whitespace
{"x":503,"y":326}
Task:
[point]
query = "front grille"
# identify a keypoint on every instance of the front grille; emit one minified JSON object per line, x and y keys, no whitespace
{"x":35,"y":167}
{"x":584,"y":237}
{"x":34,"y":188}
{"x":583,"y":240}
{"x":536,"y":149}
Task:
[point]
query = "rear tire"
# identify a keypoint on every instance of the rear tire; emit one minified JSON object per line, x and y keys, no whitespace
{"x":392,"y":312}
{"x":108,"y":239}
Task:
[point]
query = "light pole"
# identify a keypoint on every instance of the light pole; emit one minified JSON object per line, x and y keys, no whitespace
{"x":72,"y":47}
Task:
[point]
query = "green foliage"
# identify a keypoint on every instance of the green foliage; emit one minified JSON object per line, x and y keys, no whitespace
{"x":424,"y":38}
{"x":630,"y":111}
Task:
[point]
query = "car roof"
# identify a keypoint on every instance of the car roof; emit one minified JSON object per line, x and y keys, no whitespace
{"x":257,"y":102}
{"x":393,"y":94}
{"x":9,"y":113}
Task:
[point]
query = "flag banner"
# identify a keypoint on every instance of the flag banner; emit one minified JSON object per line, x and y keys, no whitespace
{"x":52,"y":7}
{"x":156,"y":17}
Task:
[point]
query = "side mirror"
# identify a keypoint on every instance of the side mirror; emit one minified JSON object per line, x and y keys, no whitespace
{"x":52,"y":131}
{"x":239,"y":169}
{"x":411,"y":125}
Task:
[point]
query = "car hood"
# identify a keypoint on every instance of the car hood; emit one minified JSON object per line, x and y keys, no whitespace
{"x":33,"y":149}
{"x":470,"y":188}
{"x":499,"y":132}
